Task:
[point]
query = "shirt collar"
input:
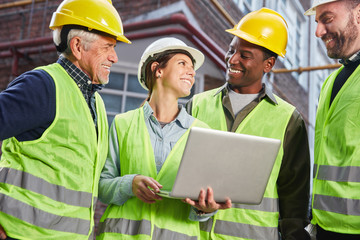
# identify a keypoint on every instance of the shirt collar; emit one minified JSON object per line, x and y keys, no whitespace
{"x":182,"y":118}
{"x":265,"y":92}
{"x":81,"y":79}
{"x":355,"y":57}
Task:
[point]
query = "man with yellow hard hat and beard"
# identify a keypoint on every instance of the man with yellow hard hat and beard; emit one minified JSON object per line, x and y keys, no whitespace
{"x":336,"y":184}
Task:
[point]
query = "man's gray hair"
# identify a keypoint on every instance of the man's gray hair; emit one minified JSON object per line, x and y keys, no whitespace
{"x":86,"y":39}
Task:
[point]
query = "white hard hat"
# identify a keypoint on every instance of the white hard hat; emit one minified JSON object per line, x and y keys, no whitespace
{"x":164,"y":44}
{"x":316,"y":3}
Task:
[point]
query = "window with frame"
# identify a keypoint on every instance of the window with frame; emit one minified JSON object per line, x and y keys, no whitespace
{"x":296,"y":32}
{"x":247,"y":6}
{"x":122,"y":93}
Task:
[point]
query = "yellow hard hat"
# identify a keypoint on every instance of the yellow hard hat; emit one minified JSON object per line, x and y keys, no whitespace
{"x":265,"y":28}
{"x":97,"y":15}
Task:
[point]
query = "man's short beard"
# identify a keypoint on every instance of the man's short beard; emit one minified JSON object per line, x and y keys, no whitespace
{"x":344,"y":40}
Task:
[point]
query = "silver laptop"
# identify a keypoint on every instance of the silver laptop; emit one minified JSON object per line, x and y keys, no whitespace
{"x":235,"y":165}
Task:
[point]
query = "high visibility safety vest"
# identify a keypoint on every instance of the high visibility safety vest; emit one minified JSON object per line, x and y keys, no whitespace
{"x":163,"y":220}
{"x":336,"y":185}
{"x":49,"y":186}
{"x":247,"y":221}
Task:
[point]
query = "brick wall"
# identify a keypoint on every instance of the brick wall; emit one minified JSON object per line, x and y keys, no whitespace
{"x":32,"y":22}
{"x":212,"y":22}
{"x":291,"y":92}
{"x":20,"y":23}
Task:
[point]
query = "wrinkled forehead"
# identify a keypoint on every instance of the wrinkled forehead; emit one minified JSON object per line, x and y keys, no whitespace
{"x":337,"y":7}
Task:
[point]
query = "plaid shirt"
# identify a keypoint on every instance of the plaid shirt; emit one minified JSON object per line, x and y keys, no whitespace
{"x":83,"y":82}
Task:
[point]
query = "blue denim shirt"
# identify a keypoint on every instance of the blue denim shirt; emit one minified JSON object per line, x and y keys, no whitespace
{"x":116,"y":189}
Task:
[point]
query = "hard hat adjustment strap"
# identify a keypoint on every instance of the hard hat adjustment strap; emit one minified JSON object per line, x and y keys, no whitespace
{"x":63,"y":38}
{"x":66,"y":29}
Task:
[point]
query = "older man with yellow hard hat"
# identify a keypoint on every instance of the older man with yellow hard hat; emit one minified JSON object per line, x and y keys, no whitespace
{"x":55,"y":131}
{"x":336,"y":186}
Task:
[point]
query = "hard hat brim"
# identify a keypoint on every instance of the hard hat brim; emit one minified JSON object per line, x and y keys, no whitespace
{"x":122,"y":38}
{"x":251,"y":39}
{"x":312,"y":10}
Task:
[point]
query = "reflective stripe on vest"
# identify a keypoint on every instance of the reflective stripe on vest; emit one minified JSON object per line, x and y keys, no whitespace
{"x":125,"y":226}
{"x":244,"y":230}
{"x":32,"y":183}
{"x":207,"y":226}
{"x":336,"y":184}
{"x":232,"y":228}
{"x":239,"y":229}
{"x":337,"y":204}
{"x":338,"y":174}
{"x":166,"y":219}
{"x":133,"y":228}
{"x":165,"y":234}
{"x":267,"y":213}
{"x":41,"y":218}
{"x":48,"y":186}
{"x":266,"y":205}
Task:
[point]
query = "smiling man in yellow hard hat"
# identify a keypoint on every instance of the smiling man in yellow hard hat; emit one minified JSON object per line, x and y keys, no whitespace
{"x":246,"y":105}
{"x":54,"y":128}
{"x":336,"y":184}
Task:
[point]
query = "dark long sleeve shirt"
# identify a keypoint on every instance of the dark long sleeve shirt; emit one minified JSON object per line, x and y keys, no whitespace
{"x":28,"y":105}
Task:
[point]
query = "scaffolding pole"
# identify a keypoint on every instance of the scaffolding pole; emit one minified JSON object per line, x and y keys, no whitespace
{"x":304,"y":69}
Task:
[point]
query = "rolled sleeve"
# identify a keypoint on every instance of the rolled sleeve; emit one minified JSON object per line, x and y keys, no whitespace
{"x":195,"y":216}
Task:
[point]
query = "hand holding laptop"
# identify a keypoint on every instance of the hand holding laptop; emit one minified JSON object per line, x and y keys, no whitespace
{"x":145,"y":188}
{"x":235,"y":166}
{"x":206,"y":202}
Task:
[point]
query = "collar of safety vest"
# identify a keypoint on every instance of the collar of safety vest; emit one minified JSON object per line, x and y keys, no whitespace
{"x":264,"y":92}
{"x":354,"y":58}
{"x":182,"y":118}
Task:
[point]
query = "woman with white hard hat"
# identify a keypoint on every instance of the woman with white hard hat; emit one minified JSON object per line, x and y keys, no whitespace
{"x":146,"y":145}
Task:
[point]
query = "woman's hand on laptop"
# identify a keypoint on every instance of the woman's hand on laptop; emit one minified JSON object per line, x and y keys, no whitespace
{"x":145,"y":188}
{"x":206,"y":202}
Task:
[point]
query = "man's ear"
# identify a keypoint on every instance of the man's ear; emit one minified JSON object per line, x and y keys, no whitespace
{"x":269,"y":64}
{"x":357,"y":14}
{"x":76,"y":48}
